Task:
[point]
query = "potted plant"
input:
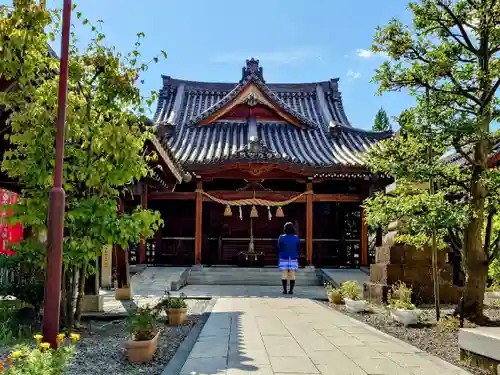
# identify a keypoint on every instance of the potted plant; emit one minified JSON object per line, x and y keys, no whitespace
{"x":174,"y":307}
{"x":143,"y":342}
{"x":402,"y":309}
{"x":334,"y":294}
{"x":351,"y":292}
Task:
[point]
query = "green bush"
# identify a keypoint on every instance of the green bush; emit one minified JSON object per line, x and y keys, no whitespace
{"x":351,"y":290}
{"x":40,"y":360}
{"x":141,"y":323}
{"x":400,"y":297}
{"x":169,"y":302}
{"x":22,"y":279}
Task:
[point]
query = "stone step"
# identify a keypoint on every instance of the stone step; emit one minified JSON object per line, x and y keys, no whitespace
{"x":258,"y":282}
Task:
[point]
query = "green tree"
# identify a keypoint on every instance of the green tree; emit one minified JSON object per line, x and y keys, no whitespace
{"x":448,"y":59}
{"x":105,"y":136}
{"x":381,"y":122}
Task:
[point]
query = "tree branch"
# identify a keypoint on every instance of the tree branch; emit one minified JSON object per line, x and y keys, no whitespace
{"x":489,"y":229}
{"x":491,"y":93}
{"x":460,"y":26}
{"x":465,"y":155}
{"x":456,"y":243}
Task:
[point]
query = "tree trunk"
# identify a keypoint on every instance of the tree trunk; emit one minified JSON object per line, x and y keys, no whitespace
{"x":64,"y":287}
{"x":81,"y":286}
{"x":70,"y":296}
{"x":475,"y":258}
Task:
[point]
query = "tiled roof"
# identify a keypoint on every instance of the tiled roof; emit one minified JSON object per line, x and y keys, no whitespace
{"x":454,"y":157}
{"x":326,"y":138}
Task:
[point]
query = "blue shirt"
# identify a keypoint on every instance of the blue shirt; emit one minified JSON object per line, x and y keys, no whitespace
{"x":288,"y":246}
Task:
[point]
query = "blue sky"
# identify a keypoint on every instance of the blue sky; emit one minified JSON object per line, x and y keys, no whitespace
{"x":295,"y":40}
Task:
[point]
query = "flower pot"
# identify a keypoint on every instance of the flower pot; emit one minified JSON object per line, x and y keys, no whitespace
{"x":141,"y":351}
{"x":405,"y":317}
{"x":176,"y":316}
{"x":335,"y":299}
{"x":355,"y":306}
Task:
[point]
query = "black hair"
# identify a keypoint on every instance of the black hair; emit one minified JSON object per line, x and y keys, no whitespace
{"x":289,"y":228}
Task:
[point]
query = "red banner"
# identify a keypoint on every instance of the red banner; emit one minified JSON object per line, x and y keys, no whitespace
{"x":8,"y":234}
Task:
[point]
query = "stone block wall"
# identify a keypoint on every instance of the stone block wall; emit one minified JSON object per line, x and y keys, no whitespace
{"x":396,"y":262}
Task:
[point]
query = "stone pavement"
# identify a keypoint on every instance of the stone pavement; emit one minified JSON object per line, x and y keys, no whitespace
{"x":292,"y":336}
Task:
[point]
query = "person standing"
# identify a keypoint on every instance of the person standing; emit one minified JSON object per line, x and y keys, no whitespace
{"x":288,"y":251}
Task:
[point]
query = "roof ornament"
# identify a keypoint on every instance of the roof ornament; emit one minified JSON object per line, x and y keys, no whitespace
{"x":252,"y":100}
{"x":252,"y":68}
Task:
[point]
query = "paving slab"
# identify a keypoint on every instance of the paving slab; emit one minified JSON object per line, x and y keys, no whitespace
{"x":292,"y":336}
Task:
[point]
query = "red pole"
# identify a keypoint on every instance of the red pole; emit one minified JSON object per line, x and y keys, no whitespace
{"x":51,"y":307}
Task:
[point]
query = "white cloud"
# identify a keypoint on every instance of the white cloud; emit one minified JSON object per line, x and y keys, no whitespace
{"x":276,"y":57}
{"x":367,"y":54}
{"x":364,"y":53}
{"x":351,"y":74}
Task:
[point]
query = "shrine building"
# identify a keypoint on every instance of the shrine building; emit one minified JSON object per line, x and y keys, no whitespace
{"x":238,"y":160}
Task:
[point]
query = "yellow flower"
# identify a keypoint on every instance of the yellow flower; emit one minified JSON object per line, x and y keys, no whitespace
{"x":16,"y":354}
{"x":75,"y":337}
{"x":60,"y":337}
{"x":38,"y":338}
{"x":45,"y":345}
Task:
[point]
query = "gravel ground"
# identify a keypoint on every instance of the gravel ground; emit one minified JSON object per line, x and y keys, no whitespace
{"x":426,"y":336}
{"x":100,"y":350}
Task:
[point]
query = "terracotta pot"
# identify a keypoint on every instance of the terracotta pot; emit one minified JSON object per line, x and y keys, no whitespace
{"x":141,"y":351}
{"x":176,"y":316}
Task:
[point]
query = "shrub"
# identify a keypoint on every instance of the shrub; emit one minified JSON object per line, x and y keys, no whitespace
{"x":332,"y":292}
{"x":40,"y":360}
{"x":448,"y":323}
{"x":400,"y":297}
{"x":169,"y":302}
{"x":23,"y":279}
{"x":351,"y":290}
{"x":141,"y":324}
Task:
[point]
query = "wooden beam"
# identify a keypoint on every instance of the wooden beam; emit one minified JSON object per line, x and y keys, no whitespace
{"x":199,"y":216}
{"x":337,"y":198}
{"x":144,"y":206}
{"x":309,"y":223}
{"x":270,"y":195}
{"x":364,"y":239}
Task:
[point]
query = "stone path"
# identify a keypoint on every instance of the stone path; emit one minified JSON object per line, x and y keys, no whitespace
{"x":292,"y":336}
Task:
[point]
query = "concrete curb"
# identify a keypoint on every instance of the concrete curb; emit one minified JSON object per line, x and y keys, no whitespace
{"x":123,"y":314}
{"x":174,"y":366}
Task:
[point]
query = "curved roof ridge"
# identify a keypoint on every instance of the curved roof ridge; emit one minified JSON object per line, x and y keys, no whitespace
{"x":193,"y":83}
{"x":255,"y":79}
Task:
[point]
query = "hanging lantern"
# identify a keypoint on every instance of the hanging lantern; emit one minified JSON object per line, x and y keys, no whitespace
{"x":279,"y":212}
{"x":227,"y":211}
{"x":253,"y":212}
{"x":269,"y":215}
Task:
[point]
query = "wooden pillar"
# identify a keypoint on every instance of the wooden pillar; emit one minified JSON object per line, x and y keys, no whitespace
{"x":123,"y":288}
{"x":199,"y":216}
{"x":144,"y":206}
{"x":364,"y":239}
{"x":309,"y":224}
